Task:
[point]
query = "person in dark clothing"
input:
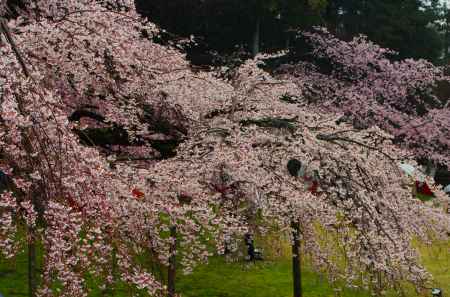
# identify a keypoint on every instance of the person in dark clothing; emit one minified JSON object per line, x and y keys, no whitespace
{"x":250,"y":246}
{"x":4,"y":181}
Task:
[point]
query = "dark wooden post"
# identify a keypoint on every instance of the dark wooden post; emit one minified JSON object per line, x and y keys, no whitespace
{"x":172,"y":262}
{"x":294,"y":168}
{"x":32,"y":240}
{"x":111,"y":288}
{"x":296,"y":260}
{"x":183,"y":199}
{"x":31,"y":263}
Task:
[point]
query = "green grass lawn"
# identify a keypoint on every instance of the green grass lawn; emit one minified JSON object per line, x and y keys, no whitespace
{"x":13,"y":277}
{"x":262,"y":279}
{"x":274,"y":279}
{"x":220,"y":278}
{"x":437,"y":260}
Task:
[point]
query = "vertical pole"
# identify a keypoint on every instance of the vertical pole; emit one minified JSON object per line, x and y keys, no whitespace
{"x":31,"y":263}
{"x":172,"y":263}
{"x":112,"y":289}
{"x":296,"y":263}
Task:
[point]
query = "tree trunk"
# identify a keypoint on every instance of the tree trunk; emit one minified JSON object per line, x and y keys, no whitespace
{"x":172,"y":263}
{"x":287,"y":44}
{"x":111,"y":289}
{"x":447,"y":36}
{"x":256,"y":37}
{"x":32,"y":239}
{"x":32,"y":281}
{"x":31,"y":263}
{"x":296,"y":263}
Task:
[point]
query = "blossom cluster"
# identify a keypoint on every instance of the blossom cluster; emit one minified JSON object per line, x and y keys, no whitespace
{"x":365,"y":83}
{"x":74,"y":67}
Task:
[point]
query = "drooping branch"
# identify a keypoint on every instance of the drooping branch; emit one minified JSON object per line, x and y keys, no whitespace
{"x":7,"y":34}
{"x":279,"y":123}
{"x":335,"y":139}
{"x":81,"y":113}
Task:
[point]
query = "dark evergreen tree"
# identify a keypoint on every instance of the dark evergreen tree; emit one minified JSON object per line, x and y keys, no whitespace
{"x":407,"y":26}
{"x":411,"y":27}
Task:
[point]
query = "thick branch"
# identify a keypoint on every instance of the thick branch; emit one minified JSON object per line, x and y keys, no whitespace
{"x":7,"y":33}
{"x":279,"y":123}
{"x":78,"y":114}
